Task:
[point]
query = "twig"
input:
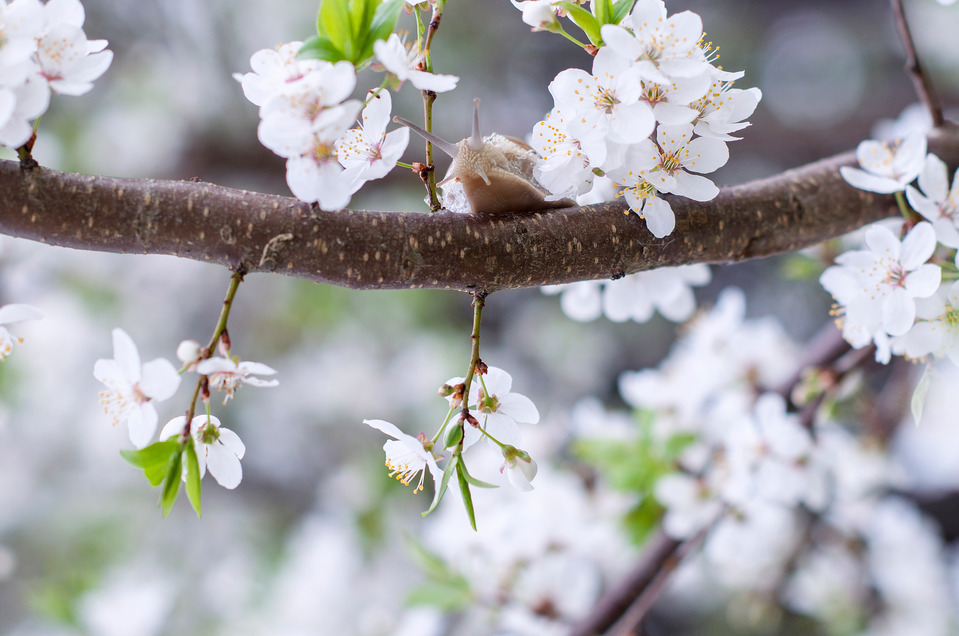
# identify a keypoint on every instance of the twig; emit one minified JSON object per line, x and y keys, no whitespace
{"x":920,"y":80}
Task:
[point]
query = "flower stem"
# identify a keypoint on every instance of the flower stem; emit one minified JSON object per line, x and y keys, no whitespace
{"x":479,"y":300}
{"x":235,"y":279}
{"x":429,"y":97}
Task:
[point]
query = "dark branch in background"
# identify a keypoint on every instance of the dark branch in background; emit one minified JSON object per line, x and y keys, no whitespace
{"x":393,"y":250}
{"x":921,"y":82}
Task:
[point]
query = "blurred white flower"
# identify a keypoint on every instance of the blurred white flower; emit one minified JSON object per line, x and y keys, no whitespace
{"x":887,"y":166}
{"x":217,"y":448}
{"x":227,"y":374}
{"x":10,"y":314}
{"x":132,"y":387}
{"x":937,"y":201}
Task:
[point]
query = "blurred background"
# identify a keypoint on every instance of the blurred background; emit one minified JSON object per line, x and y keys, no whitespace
{"x":317,"y":539}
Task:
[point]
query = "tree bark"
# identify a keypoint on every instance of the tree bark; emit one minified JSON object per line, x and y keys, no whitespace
{"x":393,"y":250}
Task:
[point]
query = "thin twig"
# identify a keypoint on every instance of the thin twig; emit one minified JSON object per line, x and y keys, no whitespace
{"x":920,"y":80}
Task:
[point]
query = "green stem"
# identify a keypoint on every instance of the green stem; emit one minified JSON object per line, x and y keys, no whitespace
{"x":235,"y":279}
{"x":569,"y":37}
{"x":479,"y":300}
{"x":429,"y":97}
{"x":903,"y":206}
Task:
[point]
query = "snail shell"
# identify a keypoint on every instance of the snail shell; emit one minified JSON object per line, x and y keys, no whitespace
{"x":494,"y":174}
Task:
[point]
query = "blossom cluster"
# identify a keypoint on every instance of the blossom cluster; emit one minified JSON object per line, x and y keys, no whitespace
{"x":43,"y":48}
{"x":654,"y":114}
{"x":898,"y":293}
{"x":791,"y":510}
{"x":133,"y":389}
{"x":306,"y":115}
{"x":491,"y":410}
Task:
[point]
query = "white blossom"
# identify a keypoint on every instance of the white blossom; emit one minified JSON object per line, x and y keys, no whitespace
{"x":10,"y":314}
{"x":407,"y":456}
{"x":498,"y":410}
{"x":369,"y":152}
{"x":937,"y":201}
{"x":405,"y":65}
{"x":217,"y":448}
{"x":226,"y":374}
{"x":888,"y":166}
{"x":132,"y":387}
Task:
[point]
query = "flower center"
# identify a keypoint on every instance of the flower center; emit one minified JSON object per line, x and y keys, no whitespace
{"x":605,"y":100}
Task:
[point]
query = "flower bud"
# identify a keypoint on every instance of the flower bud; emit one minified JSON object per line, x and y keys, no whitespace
{"x":481,"y":368}
{"x":445,"y":391}
{"x":189,"y":351}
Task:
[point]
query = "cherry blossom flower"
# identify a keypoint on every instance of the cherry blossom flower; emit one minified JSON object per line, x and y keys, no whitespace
{"x":539,"y":14}
{"x":519,"y":467}
{"x":10,"y":314}
{"x":132,"y":388}
{"x":408,"y":456}
{"x":603,"y":107}
{"x":21,"y":24}
{"x":636,"y":297}
{"x":937,"y":201}
{"x":661,"y":48}
{"x":405,"y":65}
{"x":227,"y":374}
{"x":276,"y":71}
{"x":565,"y":170}
{"x":877,"y":288}
{"x":887,"y":166}
{"x":936,"y":331}
{"x":498,"y":410}
{"x":691,"y":504}
{"x":217,"y":448}
{"x":18,"y":107}
{"x":68,"y":61}
{"x":370,"y":152}
{"x":723,"y":110}
{"x":678,"y":153}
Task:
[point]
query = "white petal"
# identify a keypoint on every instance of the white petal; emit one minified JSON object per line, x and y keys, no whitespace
{"x":503,"y":428}
{"x":519,"y":407}
{"x":918,"y":246}
{"x":898,"y":312}
{"x":924,"y":282}
{"x":126,"y":354}
{"x":224,"y":466}
{"x":386,"y":427}
{"x":581,"y":301}
{"x":659,"y":217}
{"x":142,"y":423}
{"x":17,"y":312}
{"x":232,"y":442}
{"x":173,"y":427}
{"x":160,"y":379}
{"x":865,"y":181}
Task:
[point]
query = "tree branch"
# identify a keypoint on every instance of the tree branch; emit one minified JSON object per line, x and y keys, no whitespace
{"x":393,"y":250}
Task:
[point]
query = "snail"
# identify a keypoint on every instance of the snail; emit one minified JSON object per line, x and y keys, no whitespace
{"x":495,"y":172}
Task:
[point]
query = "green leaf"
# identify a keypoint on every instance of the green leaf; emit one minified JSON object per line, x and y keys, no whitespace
{"x":333,"y":22}
{"x":643,"y":518}
{"x":193,"y":486}
{"x":620,"y":9}
{"x":448,"y":598}
{"x":384,"y":21}
{"x":171,"y":485}
{"x":321,"y":48}
{"x":465,"y":491}
{"x":444,"y":482}
{"x":918,"y":401}
{"x":583,"y":19}
{"x":154,"y":459}
{"x":603,"y":10}
{"x":473,"y":480}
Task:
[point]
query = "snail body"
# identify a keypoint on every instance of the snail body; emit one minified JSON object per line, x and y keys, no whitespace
{"x":493,"y":174}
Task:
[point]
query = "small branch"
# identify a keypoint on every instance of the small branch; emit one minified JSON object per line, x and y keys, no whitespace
{"x":479,"y":301}
{"x":616,"y":602}
{"x":920,"y":80}
{"x":444,"y":250}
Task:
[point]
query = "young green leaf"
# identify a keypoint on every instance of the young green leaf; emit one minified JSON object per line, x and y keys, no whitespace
{"x":603,"y":10}
{"x":171,"y":484}
{"x":465,"y":491}
{"x":321,"y":48}
{"x":444,"y":482}
{"x":193,"y":486}
{"x":473,"y":480}
{"x":154,"y":459}
{"x":333,"y":22}
{"x":584,"y":20}
{"x":620,"y":10}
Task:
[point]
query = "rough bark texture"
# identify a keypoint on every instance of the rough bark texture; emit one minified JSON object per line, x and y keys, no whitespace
{"x":392,"y":250}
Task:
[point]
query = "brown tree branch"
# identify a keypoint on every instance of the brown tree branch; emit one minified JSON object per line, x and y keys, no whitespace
{"x":920,"y":80}
{"x":393,"y":250}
